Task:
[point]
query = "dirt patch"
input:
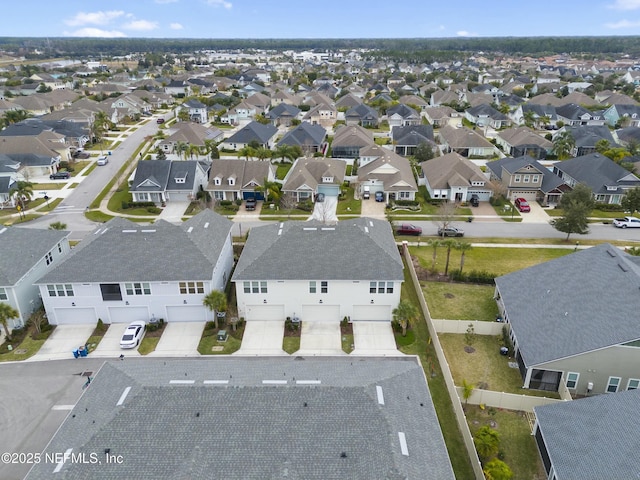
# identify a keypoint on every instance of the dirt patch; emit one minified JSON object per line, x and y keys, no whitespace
{"x":469,"y":349}
{"x":449,"y":295}
{"x":292,"y":329}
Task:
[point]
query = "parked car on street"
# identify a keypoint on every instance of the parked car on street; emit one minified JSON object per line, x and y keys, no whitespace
{"x":450,"y":232}
{"x":133,"y":334}
{"x":522,"y":205}
{"x":160,"y":120}
{"x":408,"y":229}
{"x":59,"y":176}
{"x":630,"y":222}
{"x":103,"y":160}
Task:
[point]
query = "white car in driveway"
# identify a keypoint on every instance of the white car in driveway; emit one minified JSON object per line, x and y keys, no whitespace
{"x":133,"y":334}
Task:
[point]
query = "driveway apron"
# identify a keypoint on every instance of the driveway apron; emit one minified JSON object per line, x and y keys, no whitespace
{"x":374,"y":339}
{"x":62,"y":342}
{"x":262,"y":338}
{"x":320,"y":338}
{"x":109,"y":346}
{"x":179,"y":339}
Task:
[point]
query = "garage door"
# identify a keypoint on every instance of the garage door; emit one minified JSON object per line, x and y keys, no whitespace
{"x":128,"y":314}
{"x":265,"y":312}
{"x":529,"y":195}
{"x":187,"y":313}
{"x":329,"y":190}
{"x":320,"y":313}
{"x":482,"y":195}
{"x":371,"y":313}
{"x":75,"y":316}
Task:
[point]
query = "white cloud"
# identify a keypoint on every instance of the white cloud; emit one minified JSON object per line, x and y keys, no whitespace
{"x":625,"y":5}
{"x":176,"y":26}
{"x":94,"y":18}
{"x":95,"y":32}
{"x":220,"y":3}
{"x":140,"y":25}
{"x":623,"y":24}
{"x":441,"y":27}
{"x":166,"y":1}
{"x":464,"y":33}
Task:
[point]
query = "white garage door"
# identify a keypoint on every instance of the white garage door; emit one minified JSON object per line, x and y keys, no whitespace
{"x":128,"y":314}
{"x":482,"y":195}
{"x":187,"y":313}
{"x":528,"y":195}
{"x":265,"y":312}
{"x":76,"y":316}
{"x":320,"y":313}
{"x":371,"y":313}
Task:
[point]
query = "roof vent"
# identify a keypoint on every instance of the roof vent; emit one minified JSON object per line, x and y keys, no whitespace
{"x":611,"y":253}
{"x":623,"y":267}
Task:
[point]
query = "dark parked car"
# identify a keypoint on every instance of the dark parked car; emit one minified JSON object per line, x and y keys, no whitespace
{"x":320,"y":197}
{"x":59,"y":176}
{"x":408,"y":229}
{"x":250,"y":204}
{"x":81,"y":155}
{"x":450,"y":232}
{"x":475,"y":201}
{"x":379,"y":197}
{"x":160,"y":120}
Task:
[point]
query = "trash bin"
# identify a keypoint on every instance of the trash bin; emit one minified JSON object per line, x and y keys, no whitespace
{"x":109,"y":152}
{"x":82,"y":350}
{"x":75,"y":352}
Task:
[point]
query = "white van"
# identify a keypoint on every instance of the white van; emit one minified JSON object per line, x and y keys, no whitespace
{"x":366,"y":192}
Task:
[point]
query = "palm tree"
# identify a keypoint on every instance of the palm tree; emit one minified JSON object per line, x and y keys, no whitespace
{"x":99,"y":126}
{"x":449,"y":244}
{"x":15,"y":116}
{"x":404,"y":313}
{"x":22,"y":190}
{"x":7,"y":312}
{"x":263,"y":153}
{"x":563,"y":145}
{"x":487,"y":442}
{"x":191,"y":149}
{"x":529,"y":118}
{"x":181,"y":148}
{"x":463,"y":247}
{"x":216,"y":301}
{"x":210,"y":148}
{"x":467,"y":390}
{"x":247,"y":152}
{"x":272,"y":190}
{"x":57,"y":226}
{"x":434,"y":244}
{"x":289,"y":152}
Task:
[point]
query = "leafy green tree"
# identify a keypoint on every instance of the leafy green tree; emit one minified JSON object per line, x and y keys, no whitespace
{"x":160,"y":155}
{"x":563,"y":145}
{"x":576,"y":205}
{"x":6,"y":313}
{"x":602,"y":146}
{"x":424,"y":152}
{"x":57,"y":226}
{"x":216,"y":301}
{"x":467,"y":390}
{"x":631,"y":200}
{"x":487,"y":442}
{"x":404,"y":313}
{"x":272,"y":190}
{"x":497,"y":470}
{"x":183,"y":115}
{"x":23,"y":191}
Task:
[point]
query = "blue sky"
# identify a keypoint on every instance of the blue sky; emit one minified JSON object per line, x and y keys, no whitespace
{"x":319,"y":18}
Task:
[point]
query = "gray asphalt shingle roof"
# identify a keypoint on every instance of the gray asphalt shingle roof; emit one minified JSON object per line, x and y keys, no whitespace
{"x":598,"y":172}
{"x":253,"y":131}
{"x":358,"y":249}
{"x":122,"y":250}
{"x":22,"y":248}
{"x":593,"y":438}
{"x":249,"y":430}
{"x":570,"y":305}
{"x":304,"y":134}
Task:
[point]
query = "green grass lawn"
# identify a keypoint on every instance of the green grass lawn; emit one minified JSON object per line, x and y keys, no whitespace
{"x":424,"y":349}
{"x":291,"y":344}
{"x":74,"y":185}
{"x":347,"y":342}
{"x":148,"y":345}
{"x":460,"y":301}
{"x":121,"y":195}
{"x":517,"y":446}
{"x":89,"y":170}
{"x":497,"y":261}
{"x":282,"y":170}
{"x":97,"y":216}
{"x":349,"y":205}
{"x":47,"y":186}
{"x":209,"y":341}
{"x":605,"y":215}
{"x":27,"y":348}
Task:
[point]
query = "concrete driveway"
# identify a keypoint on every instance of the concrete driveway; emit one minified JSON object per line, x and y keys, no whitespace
{"x":325,"y":211}
{"x":371,"y":208}
{"x":536,"y":215}
{"x":179,"y":339}
{"x":320,"y":338}
{"x":109,"y":346}
{"x":262,"y":338}
{"x":62,"y":342}
{"x":374,"y":339}
{"x":174,"y":211}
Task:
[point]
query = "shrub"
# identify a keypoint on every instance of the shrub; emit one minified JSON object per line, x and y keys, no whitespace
{"x":140,"y":204}
{"x":226,"y":203}
{"x":407,"y":203}
{"x":125,"y":205}
{"x":154,"y":210}
{"x":306,"y":205}
{"x":608,"y":207}
{"x":474,"y":276}
{"x":238,"y":201}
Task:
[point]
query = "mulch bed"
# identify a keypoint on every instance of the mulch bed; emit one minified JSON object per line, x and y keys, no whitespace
{"x":346,"y":329}
{"x":157,"y":332}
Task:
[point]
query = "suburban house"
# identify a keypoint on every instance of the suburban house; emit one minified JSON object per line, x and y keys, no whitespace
{"x":466,"y":142}
{"x":130,"y":106}
{"x":401,"y":115}
{"x":174,"y":267}
{"x":455,"y":178}
{"x":38,"y":155}
{"x":322,"y":114}
{"x":595,"y":437}
{"x":348,"y":140}
{"x":307,"y":136}
{"x":70,"y":133}
{"x":283,"y":114}
{"x":348,"y":101}
{"x":407,"y":138}
{"x":264,"y":135}
{"x":178,"y":88}
{"x":381,"y":170}
{"x":623,"y":114}
{"x":161,"y":181}
{"x":439,"y":116}
{"x":573,"y":321}
{"x":575,"y":115}
{"x":189,"y":133}
{"x":586,"y":137}
{"x":319,"y":291}
{"x":486,"y":116}
{"x":28,"y":253}
{"x":371,"y":428}
{"x":7,"y":182}
{"x":363,"y":115}
{"x":241,"y":114}
{"x":196,"y":109}
{"x":523,"y":141}
{"x":539,"y":116}
{"x":238,"y":179}
{"x":310,"y":176}
{"x":524,"y":177}
{"x":608,"y":180}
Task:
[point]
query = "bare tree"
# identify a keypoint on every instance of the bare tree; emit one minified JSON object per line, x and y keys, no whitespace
{"x":288,"y":202}
{"x":323,"y":213}
{"x":446,"y":214}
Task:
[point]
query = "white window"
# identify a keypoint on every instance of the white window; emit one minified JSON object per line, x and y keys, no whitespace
{"x":312,"y":287}
{"x":613,"y":384}
{"x":232,"y":181}
{"x":59,"y":248}
{"x":404,"y":195}
{"x":138,"y":288}
{"x":324,"y":287}
{"x":372,"y":287}
{"x":189,"y":288}
{"x":389,"y":287}
{"x":49,"y":258}
{"x":247,"y":287}
{"x":3,"y":294}
{"x":217,"y":181}
{"x":60,"y":290}
{"x":181,"y":180}
{"x":517,"y":179}
{"x":633,"y":384}
{"x":255,"y":287}
{"x":526,"y":179}
{"x":263,"y":287}
{"x":381,"y":286}
{"x":572,"y":380}
{"x":536,"y":179}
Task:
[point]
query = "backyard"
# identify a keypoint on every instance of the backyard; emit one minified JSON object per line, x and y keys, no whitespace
{"x":460,"y":301}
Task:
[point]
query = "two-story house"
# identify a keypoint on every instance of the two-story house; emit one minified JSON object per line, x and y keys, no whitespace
{"x":126,"y":272}
{"x":162,"y":181}
{"x":239,"y":179}
{"x":455,"y":178}
{"x":196,"y":109}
